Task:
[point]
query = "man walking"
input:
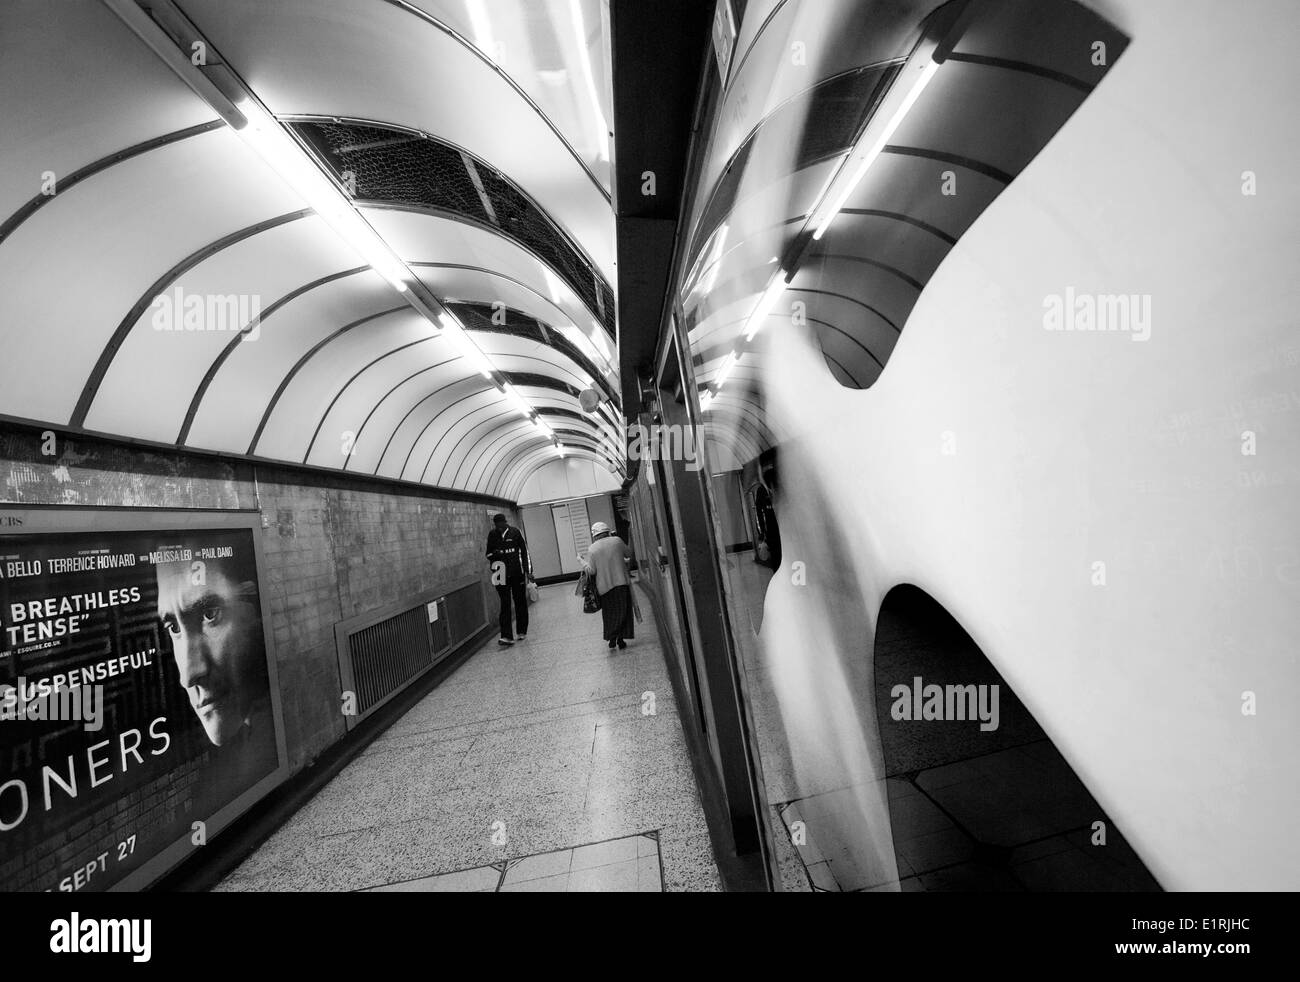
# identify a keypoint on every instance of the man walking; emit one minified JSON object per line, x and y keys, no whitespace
{"x":508,"y":553}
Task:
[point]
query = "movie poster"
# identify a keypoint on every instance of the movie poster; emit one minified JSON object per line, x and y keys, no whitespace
{"x":135,"y":699}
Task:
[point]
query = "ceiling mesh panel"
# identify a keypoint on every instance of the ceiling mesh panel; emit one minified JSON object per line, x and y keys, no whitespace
{"x":401,"y":167}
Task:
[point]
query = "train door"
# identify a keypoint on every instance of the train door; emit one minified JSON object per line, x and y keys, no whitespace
{"x":685,"y":490}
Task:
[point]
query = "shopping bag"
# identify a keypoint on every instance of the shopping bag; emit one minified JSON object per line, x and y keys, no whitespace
{"x":590,"y":598}
{"x":533,"y":594}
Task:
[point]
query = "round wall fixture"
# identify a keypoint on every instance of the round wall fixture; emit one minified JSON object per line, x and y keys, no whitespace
{"x":589,"y":399}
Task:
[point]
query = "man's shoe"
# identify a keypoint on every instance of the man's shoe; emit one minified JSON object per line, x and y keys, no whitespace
{"x":504,"y":642}
{"x":522,"y":637}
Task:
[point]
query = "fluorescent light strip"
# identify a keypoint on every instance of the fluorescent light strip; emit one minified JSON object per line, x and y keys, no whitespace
{"x":519,"y":402}
{"x":268,"y":139}
{"x":464,"y":345}
{"x":877,"y":147}
{"x":765,"y":305}
{"x":481,"y":23}
{"x":724,"y":372}
{"x":601,"y":126}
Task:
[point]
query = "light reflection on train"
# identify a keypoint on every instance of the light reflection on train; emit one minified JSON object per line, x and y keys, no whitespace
{"x":914,"y":479}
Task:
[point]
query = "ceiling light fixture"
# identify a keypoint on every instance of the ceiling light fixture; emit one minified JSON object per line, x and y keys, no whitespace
{"x":766,"y":304}
{"x":831,"y":208}
{"x":459,"y":338}
{"x":270,"y":141}
{"x":599,"y":124}
{"x":481,"y":24}
{"x":724,"y":372}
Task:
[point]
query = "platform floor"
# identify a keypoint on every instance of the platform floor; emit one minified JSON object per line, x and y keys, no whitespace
{"x":535,"y":767}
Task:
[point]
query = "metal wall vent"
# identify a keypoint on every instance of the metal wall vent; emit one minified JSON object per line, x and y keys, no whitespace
{"x":384,"y":651}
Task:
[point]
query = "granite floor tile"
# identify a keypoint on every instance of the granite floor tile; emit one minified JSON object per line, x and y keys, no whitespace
{"x":539,"y":758}
{"x":481,"y":880}
{"x":537,"y":867}
{"x":620,"y":877}
{"x":604,"y":853}
{"x":546,"y":884}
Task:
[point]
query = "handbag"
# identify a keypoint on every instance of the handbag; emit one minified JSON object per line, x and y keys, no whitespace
{"x":590,"y":598}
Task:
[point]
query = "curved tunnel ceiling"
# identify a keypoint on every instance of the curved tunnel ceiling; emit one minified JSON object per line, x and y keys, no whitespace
{"x":164,"y":283}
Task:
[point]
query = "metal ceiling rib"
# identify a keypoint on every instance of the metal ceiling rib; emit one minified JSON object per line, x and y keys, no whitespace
{"x":183,"y":436}
{"x":159,"y":288}
{"x":65,"y":184}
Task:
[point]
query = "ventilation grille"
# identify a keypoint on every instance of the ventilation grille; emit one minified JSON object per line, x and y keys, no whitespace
{"x":388,"y":655}
{"x":401,"y":167}
{"x":465,"y":612}
{"x":533,"y":380}
{"x":477,"y":317}
{"x":384,"y":651}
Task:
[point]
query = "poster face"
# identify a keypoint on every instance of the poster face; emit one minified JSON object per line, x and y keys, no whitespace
{"x":136,"y":701}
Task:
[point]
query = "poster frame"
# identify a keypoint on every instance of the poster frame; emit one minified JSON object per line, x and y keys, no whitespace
{"x":37,"y":519}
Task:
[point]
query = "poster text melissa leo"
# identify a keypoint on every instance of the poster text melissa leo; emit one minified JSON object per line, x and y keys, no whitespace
{"x":60,"y":617}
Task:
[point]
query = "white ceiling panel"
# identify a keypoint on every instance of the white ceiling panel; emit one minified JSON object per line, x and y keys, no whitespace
{"x":423,"y":387}
{"x":75,"y":93}
{"x":370,"y":60}
{"x":423,"y":431}
{"x":557,"y":51}
{"x":72,"y":273}
{"x":419,"y":237}
{"x":459,"y":285}
{"x":243,"y":388}
{"x":248,"y":277}
{"x":458,"y":432}
{"x":530,"y":356}
{"x":305,"y":400}
{"x":552,"y":484}
{"x":489,"y":457}
{"x":354,"y":396}
{"x":452,"y":285}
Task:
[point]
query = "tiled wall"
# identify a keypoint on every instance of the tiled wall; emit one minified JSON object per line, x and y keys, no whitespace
{"x":335,"y":547}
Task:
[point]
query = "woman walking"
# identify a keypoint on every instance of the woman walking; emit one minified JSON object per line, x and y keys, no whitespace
{"x":606,"y":562}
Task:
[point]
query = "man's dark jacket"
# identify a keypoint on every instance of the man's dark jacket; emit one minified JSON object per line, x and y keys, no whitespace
{"x":510,"y":548}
